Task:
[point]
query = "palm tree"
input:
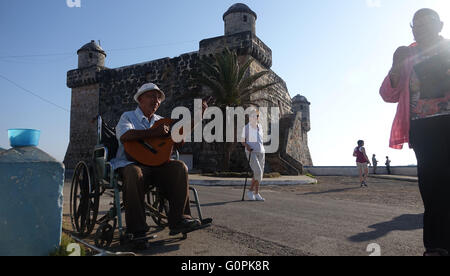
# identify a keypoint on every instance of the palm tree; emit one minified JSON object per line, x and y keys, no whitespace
{"x":228,"y":80}
{"x":230,"y":83}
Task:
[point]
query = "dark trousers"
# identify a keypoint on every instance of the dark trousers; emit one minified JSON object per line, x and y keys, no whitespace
{"x":430,"y":139}
{"x":172,"y":180}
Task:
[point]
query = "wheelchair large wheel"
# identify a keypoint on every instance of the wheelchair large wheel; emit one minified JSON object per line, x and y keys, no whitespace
{"x":84,"y":200}
{"x":158,"y":208}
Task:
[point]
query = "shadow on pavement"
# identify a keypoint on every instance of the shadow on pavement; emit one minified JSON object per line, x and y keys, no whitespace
{"x":401,"y":223}
{"x":221,"y":203}
{"x":331,"y":191}
{"x":162,"y":246}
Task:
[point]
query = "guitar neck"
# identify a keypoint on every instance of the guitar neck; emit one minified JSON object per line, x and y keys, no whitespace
{"x":193,"y":123}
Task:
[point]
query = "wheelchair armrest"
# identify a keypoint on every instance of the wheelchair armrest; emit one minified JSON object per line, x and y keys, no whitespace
{"x":100,"y":151}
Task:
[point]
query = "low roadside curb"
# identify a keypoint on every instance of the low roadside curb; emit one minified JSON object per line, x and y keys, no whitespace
{"x":282,"y":181}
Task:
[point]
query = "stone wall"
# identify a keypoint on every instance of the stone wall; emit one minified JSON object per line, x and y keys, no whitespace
{"x":83,"y":128}
{"x":235,"y":23}
{"x":297,"y":143}
{"x":353,"y":171}
{"x":293,"y":152}
{"x":245,"y":43}
{"x":274,"y":96}
{"x":174,"y":76}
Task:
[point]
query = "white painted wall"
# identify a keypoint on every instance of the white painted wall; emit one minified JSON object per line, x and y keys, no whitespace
{"x":353,"y":171}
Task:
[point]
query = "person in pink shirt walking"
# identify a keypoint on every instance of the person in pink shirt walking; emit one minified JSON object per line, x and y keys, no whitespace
{"x":362,"y":162}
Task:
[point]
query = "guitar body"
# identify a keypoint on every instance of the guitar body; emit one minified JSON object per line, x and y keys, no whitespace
{"x":152,"y":152}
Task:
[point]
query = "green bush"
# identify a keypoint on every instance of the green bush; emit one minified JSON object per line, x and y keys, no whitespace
{"x":310,"y":175}
{"x":272,"y":175}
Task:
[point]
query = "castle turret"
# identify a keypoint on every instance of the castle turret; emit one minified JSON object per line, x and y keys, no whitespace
{"x":91,"y":54}
{"x":84,"y":82}
{"x":301,"y":104}
{"x":239,"y":18}
{"x":240,"y":35}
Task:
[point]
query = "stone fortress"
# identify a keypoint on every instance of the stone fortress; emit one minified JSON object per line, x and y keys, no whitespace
{"x":108,"y":92}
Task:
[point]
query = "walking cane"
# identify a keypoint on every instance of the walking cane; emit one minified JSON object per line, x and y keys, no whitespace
{"x":245,"y":185}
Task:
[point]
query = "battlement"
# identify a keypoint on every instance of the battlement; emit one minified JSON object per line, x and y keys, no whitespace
{"x":245,"y":43}
{"x":83,"y":77}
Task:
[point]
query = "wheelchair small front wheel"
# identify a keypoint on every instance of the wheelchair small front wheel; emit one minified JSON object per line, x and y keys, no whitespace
{"x":104,"y":235}
{"x":158,"y":207}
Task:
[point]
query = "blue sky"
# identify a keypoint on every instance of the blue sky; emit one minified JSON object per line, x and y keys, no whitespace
{"x":336,"y":53}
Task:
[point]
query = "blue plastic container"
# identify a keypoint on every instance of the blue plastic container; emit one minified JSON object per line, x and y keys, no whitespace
{"x":24,"y":137}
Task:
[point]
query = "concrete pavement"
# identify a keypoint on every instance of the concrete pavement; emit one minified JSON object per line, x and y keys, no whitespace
{"x":395,"y":177}
{"x":333,"y":217}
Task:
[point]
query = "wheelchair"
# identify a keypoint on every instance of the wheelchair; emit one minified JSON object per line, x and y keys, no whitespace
{"x":96,"y":178}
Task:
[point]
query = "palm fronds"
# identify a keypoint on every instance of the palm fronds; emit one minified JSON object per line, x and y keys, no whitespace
{"x":229,"y":80}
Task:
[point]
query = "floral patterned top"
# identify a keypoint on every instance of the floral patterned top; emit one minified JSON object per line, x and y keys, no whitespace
{"x":426,"y":107}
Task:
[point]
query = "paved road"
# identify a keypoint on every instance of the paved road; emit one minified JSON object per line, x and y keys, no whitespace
{"x":334,"y":217}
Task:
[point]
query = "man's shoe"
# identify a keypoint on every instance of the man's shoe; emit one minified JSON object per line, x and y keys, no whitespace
{"x":185,"y":225}
{"x":139,"y":240}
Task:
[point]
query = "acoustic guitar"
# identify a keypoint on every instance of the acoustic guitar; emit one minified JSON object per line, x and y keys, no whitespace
{"x":154,"y":152}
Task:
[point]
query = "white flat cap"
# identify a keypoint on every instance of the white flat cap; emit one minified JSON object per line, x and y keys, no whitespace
{"x":149,"y":87}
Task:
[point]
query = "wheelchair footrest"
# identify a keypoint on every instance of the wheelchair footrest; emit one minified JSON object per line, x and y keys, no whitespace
{"x":207,"y":221}
{"x":204,"y":224}
{"x":129,"y":238}
{"x":201,"y":226}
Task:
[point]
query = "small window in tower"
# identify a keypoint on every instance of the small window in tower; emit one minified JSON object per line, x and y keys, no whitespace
{"x":245,"y":18}
{"x":90,"y":55}
{"x":301,"y":107}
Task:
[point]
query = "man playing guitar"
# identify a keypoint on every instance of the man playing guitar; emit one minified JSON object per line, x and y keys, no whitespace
{"x":171,"y":177}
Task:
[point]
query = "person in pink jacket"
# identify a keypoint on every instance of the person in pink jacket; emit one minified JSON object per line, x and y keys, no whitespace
{"x":419,"y":81}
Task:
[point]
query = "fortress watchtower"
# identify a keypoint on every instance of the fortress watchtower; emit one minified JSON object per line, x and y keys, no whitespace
{"x":91,"y":54}
{"x":239,"y":18}
{"x":301,"y":104}
{"x":85,"y":84}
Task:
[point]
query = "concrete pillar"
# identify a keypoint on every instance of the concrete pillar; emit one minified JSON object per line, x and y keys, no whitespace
{"x":31,"y":202}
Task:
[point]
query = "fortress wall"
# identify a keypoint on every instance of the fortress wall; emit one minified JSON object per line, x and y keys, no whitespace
{"x":174,"y":76}
{"x":83,"y":130}
{"x":297,"y":143}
